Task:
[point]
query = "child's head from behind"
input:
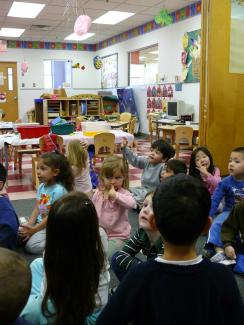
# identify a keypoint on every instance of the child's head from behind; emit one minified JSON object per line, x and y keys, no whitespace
{"x":181,"y":207}
{"x":201,"y":157}
{"x":73,"y":239}
{"x":3,"y":176}
{"x":76,"y":154}
{"x":15,"y":285}
{"x":146,"y":217}
{"x":174,"y":167}
{"x":114,"y":172}
{"x":54,"y":167}
{"x":236,"y":163}
{"x":161,"y":151}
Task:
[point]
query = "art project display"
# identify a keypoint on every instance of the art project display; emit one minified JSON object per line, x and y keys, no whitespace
{"x":109,"y":71}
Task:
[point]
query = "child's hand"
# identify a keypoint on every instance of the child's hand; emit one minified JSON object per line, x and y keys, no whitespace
{"x":124,"y":143}
{"x":112,"y":193}
{"x":230,"y":252}
{"x":25,"y":232}
{"x":203,"y":169}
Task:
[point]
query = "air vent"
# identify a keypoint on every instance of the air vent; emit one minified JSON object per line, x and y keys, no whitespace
{"x":42,"y":27}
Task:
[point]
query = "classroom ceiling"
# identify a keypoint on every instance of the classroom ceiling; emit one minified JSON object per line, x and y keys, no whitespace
{"x":56,"y":20}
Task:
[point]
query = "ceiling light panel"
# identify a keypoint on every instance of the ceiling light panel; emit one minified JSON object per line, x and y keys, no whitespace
{"x":25,"y":9}
{"x":112,"y":17}
{"x":11,"y":32}
{"x":75,"y":37}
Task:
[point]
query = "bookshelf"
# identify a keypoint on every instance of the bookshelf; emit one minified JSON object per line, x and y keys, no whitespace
{"x":67,"y":108}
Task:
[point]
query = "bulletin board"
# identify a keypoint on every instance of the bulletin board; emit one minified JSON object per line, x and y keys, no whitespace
{"x":109,"y":71}
{"x":193,"y":56}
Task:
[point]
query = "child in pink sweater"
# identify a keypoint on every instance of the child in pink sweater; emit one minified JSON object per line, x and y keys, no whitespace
{"x":202,"y":167}
{"x":112,"y":201}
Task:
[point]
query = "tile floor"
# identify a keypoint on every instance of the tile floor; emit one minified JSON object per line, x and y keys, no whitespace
{"x":21,"y":187}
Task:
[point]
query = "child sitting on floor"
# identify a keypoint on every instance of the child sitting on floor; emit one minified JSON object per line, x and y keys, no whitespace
{"x":9,"y":222}
{"x":202,"y":167}
{"x":231,"y":188}
{"x":112,"y":201}
{"x":179,"y":287}
{"x":232,"y":236}
{"x":147,"y":238}
{"x":152,"y":166}
{"x":173,"y":167}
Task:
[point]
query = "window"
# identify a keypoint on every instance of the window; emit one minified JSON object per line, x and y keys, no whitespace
{"x":57,"y":73}
{"x":143,"y":66}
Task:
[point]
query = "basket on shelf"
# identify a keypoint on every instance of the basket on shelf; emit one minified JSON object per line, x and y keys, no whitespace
{"x":63,"y":129}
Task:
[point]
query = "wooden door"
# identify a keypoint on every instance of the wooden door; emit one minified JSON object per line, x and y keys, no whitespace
{"x":8,"y":90}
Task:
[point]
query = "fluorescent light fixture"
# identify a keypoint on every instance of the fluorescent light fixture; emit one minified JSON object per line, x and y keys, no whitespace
{"x":113,"y":17}
{"x":154,"y":52}
{"x":75,"y":37}
{"x":11,"y":32}
{"x":25,"y":9}
{"x":142,"y":57}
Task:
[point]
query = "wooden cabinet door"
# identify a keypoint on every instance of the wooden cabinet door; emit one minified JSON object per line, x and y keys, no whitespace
{"x":9,"y":90}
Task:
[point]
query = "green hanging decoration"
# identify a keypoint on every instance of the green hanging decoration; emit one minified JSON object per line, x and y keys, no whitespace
{"x":163,"y":18}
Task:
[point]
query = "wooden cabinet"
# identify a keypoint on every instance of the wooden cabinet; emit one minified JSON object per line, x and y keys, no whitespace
{"x":67,"y":108}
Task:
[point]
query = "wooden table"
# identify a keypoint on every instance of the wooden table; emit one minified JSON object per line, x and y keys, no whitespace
{"x":118,"y":125}
{"x":169,"y":130}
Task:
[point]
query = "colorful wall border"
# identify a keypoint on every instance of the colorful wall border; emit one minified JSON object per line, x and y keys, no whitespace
{"x":178,"y":15}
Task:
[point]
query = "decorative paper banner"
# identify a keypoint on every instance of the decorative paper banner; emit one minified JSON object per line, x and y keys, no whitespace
{"x":184,"y":13}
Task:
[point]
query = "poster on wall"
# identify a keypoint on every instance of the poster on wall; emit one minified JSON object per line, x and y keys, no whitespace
{"x":109,"y":71}
{"x":190,"y":56}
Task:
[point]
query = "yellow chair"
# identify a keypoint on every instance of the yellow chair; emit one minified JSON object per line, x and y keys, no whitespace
{"x":104,"y":144}
{"x":125,"y":117}
{"x":152,"y":125}
{"x":132,"y":125}
{"x":183,"y":139}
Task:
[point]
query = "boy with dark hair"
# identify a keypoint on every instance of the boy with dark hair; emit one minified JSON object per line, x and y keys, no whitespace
{"x":15,"y":285}
{"x":9,"y":222}
{"x":178,"y":287}
{"x":152,"y":166}
{"x":174,"y":167}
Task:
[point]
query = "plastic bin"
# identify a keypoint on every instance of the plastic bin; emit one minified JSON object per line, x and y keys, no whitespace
{"x":34,"y":131}
{"x":62,"y":129}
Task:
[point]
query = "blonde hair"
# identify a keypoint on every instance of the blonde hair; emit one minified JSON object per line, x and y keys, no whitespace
{"x":77,"y":155}
{"x":113,"y":164}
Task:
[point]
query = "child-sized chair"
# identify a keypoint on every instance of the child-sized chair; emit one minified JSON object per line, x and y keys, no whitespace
{"x":104,"y":144}
{"x":183,"y":139}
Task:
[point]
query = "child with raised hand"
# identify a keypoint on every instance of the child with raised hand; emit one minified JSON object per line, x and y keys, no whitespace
{"x":231,"y":189}
{"x":180,"y":286}
{"x":70,"y":283}
{"x":146,"y":239}
{"x":54,"y":172}
{"x":78,"y":158}
{"x":173,"y":167}
{"x":232,"y":234}
{"x":202,"y":167}
{"x":152,"y":166}
{"x":112,"y":201}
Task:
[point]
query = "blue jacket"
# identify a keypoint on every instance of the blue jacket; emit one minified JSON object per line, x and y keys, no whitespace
{"x":229,"y":189}
{"x":9,"y":224}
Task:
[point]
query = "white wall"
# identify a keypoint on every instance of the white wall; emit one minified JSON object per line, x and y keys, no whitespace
{"x":169,"y":40}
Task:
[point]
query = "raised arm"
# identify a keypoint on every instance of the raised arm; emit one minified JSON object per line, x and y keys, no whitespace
{"x":133,"y":159}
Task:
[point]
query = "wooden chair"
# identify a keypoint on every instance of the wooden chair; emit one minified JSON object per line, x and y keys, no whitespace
{"x":27,"y":151}
{"x":132,"y":125}
{"x":104,"y":144}
{"x":125,"y":117}
{"x":152,"y":125}
{"x":183,"y":139}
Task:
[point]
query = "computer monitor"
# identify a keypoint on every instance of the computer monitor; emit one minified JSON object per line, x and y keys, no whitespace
{"x":174,"y":109}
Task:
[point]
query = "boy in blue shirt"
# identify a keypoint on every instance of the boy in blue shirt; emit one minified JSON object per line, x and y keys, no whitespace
{"x":179,"y":287}
{"x":9,"y":222}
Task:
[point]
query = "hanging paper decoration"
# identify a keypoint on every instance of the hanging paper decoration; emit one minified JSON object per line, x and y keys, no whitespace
{"x":170,"y":91}
{"x":82,"y":25}
{"x":154,"y":91}
{"x":163,"y":18}
{"x":78,"y":66}
{"x":183,"y":57}
{"x":97,"y":62}
{"x":149,"y":91}
{"x":3,"y":46}
{"x":165,"y":91}
{"x":24,"y":67}
{"x":185,"y":41}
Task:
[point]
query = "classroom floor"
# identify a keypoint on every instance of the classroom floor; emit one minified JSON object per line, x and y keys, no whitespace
{"x":21,"y":187}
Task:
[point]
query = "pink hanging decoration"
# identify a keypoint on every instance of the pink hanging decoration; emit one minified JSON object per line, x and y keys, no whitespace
{"x":82,"y":25}
{"x":24,"y":67}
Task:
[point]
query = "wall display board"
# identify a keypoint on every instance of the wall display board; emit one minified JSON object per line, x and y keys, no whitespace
{"x":109,"y":71}
{"x":157,"y":96}
{"x":190,"y":56}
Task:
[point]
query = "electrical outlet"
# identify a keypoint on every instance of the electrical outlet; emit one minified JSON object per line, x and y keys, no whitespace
{"x":23,"y":85}
{"x":34,"y":84}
